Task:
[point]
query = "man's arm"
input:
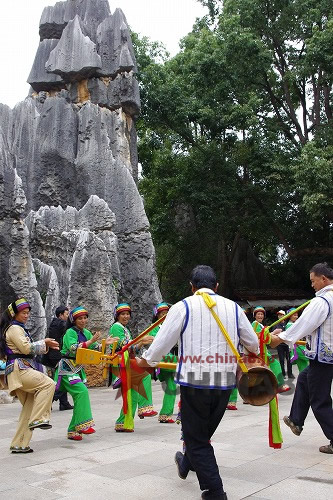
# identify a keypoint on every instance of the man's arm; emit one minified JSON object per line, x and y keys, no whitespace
{"x":167,"y":336}
{"x":313,"y":316}
{"x":248,"y":337}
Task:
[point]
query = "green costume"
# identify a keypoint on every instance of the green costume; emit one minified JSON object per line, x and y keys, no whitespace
{"x":273,"y":364}
{"x":233,"y":396}
{"x":71,"y":377}
{"x":297,"y":354}
{"x":125,"y":336}
{"x":169,"y":385}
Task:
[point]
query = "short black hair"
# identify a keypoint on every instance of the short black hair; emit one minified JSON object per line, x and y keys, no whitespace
{"x":60,"y":310}
{"x":203,"y":277}
{"x":322,"y":269}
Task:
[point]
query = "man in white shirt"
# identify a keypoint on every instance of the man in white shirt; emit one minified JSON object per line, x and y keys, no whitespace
{"x":206,"y":371}
{"x":314,"y":383}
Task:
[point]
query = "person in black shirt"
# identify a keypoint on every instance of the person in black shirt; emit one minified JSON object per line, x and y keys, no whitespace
{"x":57,"y":330}
{"x":283,"y":350}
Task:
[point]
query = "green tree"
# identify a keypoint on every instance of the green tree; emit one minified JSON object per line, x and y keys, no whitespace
{"x":235,"y":138}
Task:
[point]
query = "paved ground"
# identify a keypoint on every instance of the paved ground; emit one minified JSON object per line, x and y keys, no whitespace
{"x":107,"y":465}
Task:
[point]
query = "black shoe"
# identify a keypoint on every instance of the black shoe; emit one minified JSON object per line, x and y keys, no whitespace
{"x":214,"y":494}
{"x":65,"y":406}
{"x":182,"y":473}
{"x":291,"y":376}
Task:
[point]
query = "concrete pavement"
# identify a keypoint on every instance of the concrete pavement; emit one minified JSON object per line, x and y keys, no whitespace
{"x":109,"y":465}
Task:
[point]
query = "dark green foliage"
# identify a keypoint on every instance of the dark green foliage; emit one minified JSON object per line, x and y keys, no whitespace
{"x":235,"y":140}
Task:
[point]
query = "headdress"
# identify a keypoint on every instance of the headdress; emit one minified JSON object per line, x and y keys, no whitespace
{"x":77,"y":312}
{"x":291,"y":309}
{"x":162,"y":306}
{"x":257,"y":309}
{"x":17,"y":306}
{"x":281,"y":312}
{"x":121,"y":308}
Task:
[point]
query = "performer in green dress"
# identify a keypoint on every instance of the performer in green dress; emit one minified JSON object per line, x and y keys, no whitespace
{"x":259,"y":315}
{"x":232,"y":403}
{"x":165,"y":376}
{"x":122,"y":315}
{"x":71,"y":377}
{"x":297,"y":354}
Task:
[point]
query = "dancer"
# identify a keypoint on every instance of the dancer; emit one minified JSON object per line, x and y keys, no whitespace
{"x":314,"y":383}
{"x":33,"y":389}
{"x":71,"y":377}
{"x":122,"y":315}
{"x":259,"y":315}
{"x":165,"y":376}
{"x":232,"y":403}
{"x":297,"y":354}
{"x":205,"y":387}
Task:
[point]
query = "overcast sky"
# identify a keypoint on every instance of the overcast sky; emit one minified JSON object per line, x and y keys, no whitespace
{"x":164,"y":20}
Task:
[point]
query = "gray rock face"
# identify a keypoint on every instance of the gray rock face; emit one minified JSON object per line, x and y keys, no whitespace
{"x":16,"y":268}
{"x":115,"y":45}
{"x":68,"y":164}
{"x":54,"y":19}
{"x":39,"y":79}
{"x":75,"y":56}
{"x":81,"y":252}
{"x":52,"y":22}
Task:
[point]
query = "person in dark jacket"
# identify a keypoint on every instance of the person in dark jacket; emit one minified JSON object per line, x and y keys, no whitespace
{"x":57,"y":330}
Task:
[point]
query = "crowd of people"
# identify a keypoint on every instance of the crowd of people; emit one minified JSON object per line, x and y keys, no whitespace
{"x":203,"y":326}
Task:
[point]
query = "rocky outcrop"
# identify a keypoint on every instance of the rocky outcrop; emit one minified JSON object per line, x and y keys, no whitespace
{"x":55,"y":18}
{"x":17,"y":272}
{"x":73,"y":227}
{"x":115,"y":45}
{"x":39,"y":78}
{"x":75,"y":56}
{"x":81,"y":252}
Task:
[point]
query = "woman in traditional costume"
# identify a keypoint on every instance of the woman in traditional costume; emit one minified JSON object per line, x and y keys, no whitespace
{"x":122,"y":315}
{"x":259,"y":316}
{"x":71,"y":377}
{"x":165,"y":376}
{"x":34,"y":389}
{"x":297,"y":355}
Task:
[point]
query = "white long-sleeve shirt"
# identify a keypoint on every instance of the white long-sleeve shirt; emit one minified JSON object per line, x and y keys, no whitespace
{"x":316,"y":322}
{"x":204,"y":357}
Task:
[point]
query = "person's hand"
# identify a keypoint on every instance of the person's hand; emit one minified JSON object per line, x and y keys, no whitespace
{"x":51,"y":343}
{"x":94,"y":338}
{"x":111,"y":340}
{"x":275,"y":341}
{"x":147,"y":340}
{"x":142,"y":363}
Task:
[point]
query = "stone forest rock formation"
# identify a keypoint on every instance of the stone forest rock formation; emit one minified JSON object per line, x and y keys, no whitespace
{"x":73,"y":227}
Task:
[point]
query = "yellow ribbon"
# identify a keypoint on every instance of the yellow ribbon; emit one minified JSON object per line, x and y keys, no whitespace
{"x":210,"y":303}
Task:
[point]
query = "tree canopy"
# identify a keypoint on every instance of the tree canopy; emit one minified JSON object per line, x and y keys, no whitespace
{"x":235,"y":141}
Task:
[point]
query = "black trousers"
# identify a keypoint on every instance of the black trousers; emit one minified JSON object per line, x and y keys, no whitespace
{"x":61,"y":396}
{"x":313,"y":389}
{"x":283,"y":353}
{"x":201,"y":413}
